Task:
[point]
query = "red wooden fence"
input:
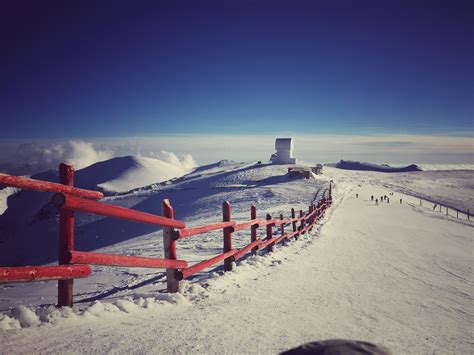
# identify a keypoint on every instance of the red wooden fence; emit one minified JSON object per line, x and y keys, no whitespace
{"x":75,"y":264}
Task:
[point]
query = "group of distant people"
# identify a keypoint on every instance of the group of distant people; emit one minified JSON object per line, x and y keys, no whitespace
{"x":382,"y":198}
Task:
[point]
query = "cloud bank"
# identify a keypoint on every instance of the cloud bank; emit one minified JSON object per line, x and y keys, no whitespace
{"x":33,"y":156}
{"x":386,"y":148}
{"x":186,"y":161}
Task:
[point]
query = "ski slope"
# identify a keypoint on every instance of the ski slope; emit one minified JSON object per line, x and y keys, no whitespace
{"x":394,"y":274}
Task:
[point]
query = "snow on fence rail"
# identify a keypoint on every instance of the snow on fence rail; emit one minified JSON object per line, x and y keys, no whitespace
{"x":76,"y":264}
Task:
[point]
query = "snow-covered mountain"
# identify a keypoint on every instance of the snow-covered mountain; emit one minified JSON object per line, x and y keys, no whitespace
{"x":127,"y":173}
{"x":28,"y":221}
{"x":384,"y":168}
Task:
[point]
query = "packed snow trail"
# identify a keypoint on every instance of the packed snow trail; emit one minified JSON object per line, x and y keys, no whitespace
{"x":393,"y":274}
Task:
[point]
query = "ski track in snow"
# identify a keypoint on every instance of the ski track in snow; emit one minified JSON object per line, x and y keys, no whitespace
{"x":394,"y":274}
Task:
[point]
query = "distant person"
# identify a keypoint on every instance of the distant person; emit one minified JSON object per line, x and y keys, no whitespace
{"x":372,"y":197}
{"x":400,"y":201}
{"x":357,"y":195}
{"x":376,"y":202}
{"x":388,"y":200}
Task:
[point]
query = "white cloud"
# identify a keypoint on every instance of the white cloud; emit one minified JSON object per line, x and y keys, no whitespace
{"x":81,"y":154}
{"x":186,"y":161}
{"x":387,"y":148}
{"x":35,"y":157}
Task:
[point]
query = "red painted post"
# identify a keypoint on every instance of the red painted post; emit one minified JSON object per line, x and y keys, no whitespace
{"x":66,"y":239}
{"x":253,"y":229}
{"x":226,"y":212}
{"x":302,"y":222}
{"x":293,"y":215}
{"x":269,"y":233}
{"x":169,"y":247}
{"x":282,"y":229}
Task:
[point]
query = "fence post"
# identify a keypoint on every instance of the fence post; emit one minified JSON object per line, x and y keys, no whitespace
{"x":227,"y":235}
{"x":66,"y":239}
{"x":253,"y":229}
{"x":293,"y":215}
{"x":468,"y":214}
{"x":440,"y":208}
{"x":169,"y":247}
{"x":310,"y":209}
{"x":446,"y":210}
{"x":282,"y":228}
{"x":457,"y":213}
{"x":269,"y":233}
{"x":302,"y":222}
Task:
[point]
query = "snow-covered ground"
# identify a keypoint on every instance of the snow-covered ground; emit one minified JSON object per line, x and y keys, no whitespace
{"x":394,"y":274}
{"x":5,"y":193}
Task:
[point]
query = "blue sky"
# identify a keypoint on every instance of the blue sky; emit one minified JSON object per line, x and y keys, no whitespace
{"x":115,"y":69}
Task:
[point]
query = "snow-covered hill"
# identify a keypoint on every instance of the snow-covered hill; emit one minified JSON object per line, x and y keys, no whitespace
{"x":397,"y":274}
{"x":384,"y":168}
{"x":28,"y":222}
{"x":127,"y":173}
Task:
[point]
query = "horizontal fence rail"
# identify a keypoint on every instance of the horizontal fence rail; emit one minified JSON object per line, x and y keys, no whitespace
{"x":200,"y":230}
{"x":72,"y":203}
{"x":186,"y":272}
{"x":46,"y":186}
{"x":42,"y":273}
{"x":245,"y":225}
{"x":81,"y":257}
{"x":76,"y":264}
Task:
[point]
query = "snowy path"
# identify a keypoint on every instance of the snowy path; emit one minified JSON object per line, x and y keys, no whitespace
{"x":391,"y":274}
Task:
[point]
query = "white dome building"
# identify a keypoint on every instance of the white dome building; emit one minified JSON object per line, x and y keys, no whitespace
{"x":284,"y":151}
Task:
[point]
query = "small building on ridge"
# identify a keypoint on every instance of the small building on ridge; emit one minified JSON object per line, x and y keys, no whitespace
{"x":284,"y":151}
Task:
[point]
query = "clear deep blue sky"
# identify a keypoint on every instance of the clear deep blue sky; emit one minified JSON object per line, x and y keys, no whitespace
{"x":98,"y":68}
